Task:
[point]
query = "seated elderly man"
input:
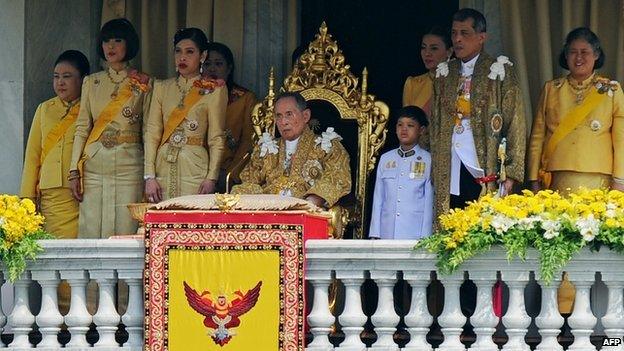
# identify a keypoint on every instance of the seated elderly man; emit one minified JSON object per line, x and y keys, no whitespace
{"x":300,"y":163}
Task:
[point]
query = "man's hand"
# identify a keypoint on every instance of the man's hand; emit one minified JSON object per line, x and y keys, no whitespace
{"x":508,"y":185}
{"x":153,"y":191}
{"x":315,"y":199}
{"x":617,"y":186}
{"x":207,"y":186}
{"x":74,"y":185}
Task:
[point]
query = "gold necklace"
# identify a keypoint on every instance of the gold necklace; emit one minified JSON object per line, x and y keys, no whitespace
{"x":579,"y":89}
{"x":182,"y":91}
{"x":116,"y":89}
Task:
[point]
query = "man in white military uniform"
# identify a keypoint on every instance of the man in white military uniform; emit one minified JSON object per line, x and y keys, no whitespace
{"x":403,"y":198}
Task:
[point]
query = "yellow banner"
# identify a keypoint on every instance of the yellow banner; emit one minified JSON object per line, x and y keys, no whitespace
{"x":230,"y":301}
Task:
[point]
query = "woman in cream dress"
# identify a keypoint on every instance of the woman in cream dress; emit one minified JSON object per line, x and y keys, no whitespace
{"x":184,"y":139}
{"x":436,"y":47}
{"x":49,"y":148}
{"x":107,"y":158}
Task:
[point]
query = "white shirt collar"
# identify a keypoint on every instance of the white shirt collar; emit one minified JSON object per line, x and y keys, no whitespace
{"x":467,"y":68}
{"x":291,"y":146}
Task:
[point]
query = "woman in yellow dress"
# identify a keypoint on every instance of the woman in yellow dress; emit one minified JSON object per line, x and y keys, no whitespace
{"x":238,"y":126}
{"x":577,"y":138}
{"x":436,"y":47}
{"x":49,"y":148}
{"x":107,"y":158}
{"x":184,"y":138}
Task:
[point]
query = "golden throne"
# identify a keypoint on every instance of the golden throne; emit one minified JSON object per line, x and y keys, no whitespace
{"x":337,"y":99}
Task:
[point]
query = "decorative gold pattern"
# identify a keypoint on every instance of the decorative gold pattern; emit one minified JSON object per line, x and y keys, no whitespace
{"x":321,"y":74}
{"x":226,"y":202}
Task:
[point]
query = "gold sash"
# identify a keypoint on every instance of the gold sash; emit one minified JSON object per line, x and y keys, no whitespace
{"x":571,"y":120}
{"x":55,"y":135}
{"x":107,"y":115}
{"x":178,"y":114}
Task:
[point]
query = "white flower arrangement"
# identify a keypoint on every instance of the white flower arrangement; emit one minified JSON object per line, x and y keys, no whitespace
{"x":267,"y":144}
{"x":497,"y":69}
{"x":326,"y":138}
{"x":442,"y":70}
{"x":551,"y":228}
{"x":588,"y":227}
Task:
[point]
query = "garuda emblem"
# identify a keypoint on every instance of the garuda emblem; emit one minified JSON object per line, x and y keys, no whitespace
{"x":222,"y":315}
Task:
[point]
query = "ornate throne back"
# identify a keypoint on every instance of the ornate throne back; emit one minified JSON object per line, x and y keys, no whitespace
{"x":337,"y":100}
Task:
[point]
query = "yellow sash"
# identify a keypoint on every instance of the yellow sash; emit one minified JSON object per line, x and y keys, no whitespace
{"x":178,"y":114}
{"x":53,"y":137}
{"x":570,"y":121}
{"x":106,"y":116}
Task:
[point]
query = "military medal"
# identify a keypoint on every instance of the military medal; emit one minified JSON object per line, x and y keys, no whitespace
{"x":496,"y":123}
{"x":126,"y":112}
{"x":192,"y":125}
{"x":459,"y":129}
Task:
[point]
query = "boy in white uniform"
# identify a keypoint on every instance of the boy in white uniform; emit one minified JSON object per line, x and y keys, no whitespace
{"x":403,"y":198}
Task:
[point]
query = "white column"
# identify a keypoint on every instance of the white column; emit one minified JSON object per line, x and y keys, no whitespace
{"x":49,"y":319}
{"x":452,"y":319}
{"x":320,"y":318}
{"x":516,"y":320}
{"x":613,"y":320}
{"x":21,"y":320}
{"x":106,"y":318}
{"x":549,"y":320}
{"x":3,"y":318}
{"x":78,"y":319}
{"x":483,"y":319}
{"x":133,"y":318}
{"x":385,"y":318}
{"x":352,"y":318}
{"x":582,"y":320}
{"x":418,"y":319}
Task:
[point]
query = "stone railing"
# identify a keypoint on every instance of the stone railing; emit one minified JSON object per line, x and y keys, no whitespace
{"x":598,"y":309}
{"x":358,"y":299}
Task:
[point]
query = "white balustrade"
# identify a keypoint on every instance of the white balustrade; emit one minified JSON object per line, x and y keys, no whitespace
{"x":351,"y":262}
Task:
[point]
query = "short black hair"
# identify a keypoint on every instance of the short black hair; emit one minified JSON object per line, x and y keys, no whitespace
{"x":441,"y":33}
{"x":415,"y":113}
{"x":582,"y":33}
{"x":225,"y":51}
{"x":478,"y":20}
{"x":77,"y":59}
{"x":119,"y":28}
{"x":196,"y":35}
{"x":301,"y":102}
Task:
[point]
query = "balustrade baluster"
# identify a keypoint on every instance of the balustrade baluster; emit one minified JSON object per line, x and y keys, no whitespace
{"x":78,"y":319}
{"x":613,"y":320}
{"x":385,"y":318}
{"x":133,"y":318}
{"x":418,"y":319}
{"x":21,"y":319}
{"x":352,"y":318}
{"x":516,"y":320}
{"x":549,"y":321}
{"x":49,"y":319}
{"x":452,"y":319}
{"x":3,"y":318}
{"x":320,"y":318}
{"x":483,"y":319}
{"x":106,"y":318}
{"x":582,"y":320}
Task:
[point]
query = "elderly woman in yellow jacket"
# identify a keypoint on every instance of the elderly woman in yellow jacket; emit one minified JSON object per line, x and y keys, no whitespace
{"x":184,"y":139}
{"x":107,"y":160}
{"x":48,"y":152}
{"x":578,"y":132}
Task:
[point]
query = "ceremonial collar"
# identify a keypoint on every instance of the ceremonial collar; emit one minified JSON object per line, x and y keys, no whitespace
{"x":467,"y":68}
{"x":407,"y":153}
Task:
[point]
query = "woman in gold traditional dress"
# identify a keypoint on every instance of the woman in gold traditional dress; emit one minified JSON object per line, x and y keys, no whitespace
{"x":578,"y":132}
{"x":436,"y":47}
{"x":107,"y":158}
{"x":49,"y":148}
{"x":184,"y":138}
{"x":238,"y":125}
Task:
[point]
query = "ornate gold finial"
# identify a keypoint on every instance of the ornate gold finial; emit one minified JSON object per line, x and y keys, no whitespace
{"x":226,"y":202}
{"x":364,"y":85}
{"x":271,"y":94}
